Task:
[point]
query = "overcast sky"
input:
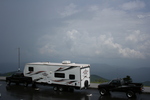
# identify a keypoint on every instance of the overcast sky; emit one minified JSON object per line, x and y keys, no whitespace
{"x":90,"y":31}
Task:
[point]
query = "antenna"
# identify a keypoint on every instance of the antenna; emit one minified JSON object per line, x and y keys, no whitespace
{"x":18,"y":59}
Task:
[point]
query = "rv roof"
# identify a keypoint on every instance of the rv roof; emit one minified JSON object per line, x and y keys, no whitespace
{"x":59,"y":64}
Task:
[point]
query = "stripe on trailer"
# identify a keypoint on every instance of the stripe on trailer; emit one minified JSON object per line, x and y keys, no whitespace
{"x":64,"y":69}
{"x":39,"y":72}
{"x":29,"y":72}
{"x":62,"y":80}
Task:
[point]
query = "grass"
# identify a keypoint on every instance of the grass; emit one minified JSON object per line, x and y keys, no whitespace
{"x":98,"y":79}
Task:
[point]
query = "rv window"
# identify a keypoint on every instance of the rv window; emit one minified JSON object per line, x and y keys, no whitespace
{"x":31,"y":69}
{"x":71,"y":76}
{"x":60,"y":75}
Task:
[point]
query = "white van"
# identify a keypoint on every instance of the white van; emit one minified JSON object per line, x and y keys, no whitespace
{"x":65,"y":75}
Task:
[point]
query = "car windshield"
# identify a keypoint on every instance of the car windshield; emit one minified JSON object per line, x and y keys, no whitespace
{"x":18,"y":74}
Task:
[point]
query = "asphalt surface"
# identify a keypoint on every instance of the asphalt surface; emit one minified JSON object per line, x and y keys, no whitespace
{"x":19,"y":92}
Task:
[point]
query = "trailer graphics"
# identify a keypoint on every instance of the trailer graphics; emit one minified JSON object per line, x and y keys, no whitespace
{"x":59,"y":75}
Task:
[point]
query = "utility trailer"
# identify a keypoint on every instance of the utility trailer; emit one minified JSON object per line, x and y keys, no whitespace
{"x":65,"y":75}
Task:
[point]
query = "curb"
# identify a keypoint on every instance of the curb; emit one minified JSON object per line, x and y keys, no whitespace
{"x":2,"y":78}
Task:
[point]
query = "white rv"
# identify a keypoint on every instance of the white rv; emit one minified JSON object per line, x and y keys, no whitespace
{"x":60,"y":75}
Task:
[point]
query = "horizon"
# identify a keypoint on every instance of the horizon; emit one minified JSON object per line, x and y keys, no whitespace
{"x":102,"y":70}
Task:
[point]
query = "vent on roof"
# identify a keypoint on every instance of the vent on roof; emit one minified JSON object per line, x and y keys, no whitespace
{"x":66,"y":62}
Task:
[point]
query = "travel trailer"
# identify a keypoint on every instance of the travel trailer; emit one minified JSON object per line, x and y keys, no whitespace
{"x":65,"y":75}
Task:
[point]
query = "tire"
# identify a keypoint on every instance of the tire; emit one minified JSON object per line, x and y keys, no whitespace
{"x":130,"y":94}
{"x":33,"y":84}
{"x":55,"y":88}
{"x":103,"y":92}
{"x":8,"y":82}
{"x":26,"y":84}
{"x":70,"y":89}
{"x":17,"y":83}
{"x":60,"y":89}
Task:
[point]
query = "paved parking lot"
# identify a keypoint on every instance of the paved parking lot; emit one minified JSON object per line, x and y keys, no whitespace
{"x":20,"y":92}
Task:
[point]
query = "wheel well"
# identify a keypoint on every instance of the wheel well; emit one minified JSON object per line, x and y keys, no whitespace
{"x":86,"y":84}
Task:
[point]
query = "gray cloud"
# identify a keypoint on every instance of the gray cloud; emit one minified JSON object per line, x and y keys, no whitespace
{"x":106,"y":33}
{"x":80,"y":31}
{"x":133,"y":5}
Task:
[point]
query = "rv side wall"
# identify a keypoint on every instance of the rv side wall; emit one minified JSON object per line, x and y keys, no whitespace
{"x":59,"y":74}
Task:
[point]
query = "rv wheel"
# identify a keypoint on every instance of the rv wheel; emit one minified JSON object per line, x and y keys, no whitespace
{"x":60,"y":89}
{"x":55,"y":88}
{"x":33,"y":84}
{"x":70,"y":89}
{"x":25,"y":84}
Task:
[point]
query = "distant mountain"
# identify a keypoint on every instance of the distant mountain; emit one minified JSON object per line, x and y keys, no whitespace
{"x":8,"y":67}
{"x":98,"y":79}
{"x":146,"y":83}
{"x":110,"y":72}
{"x":8,"y":73}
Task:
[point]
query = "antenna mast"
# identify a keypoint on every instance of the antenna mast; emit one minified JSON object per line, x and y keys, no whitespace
{"x":18,"y":59}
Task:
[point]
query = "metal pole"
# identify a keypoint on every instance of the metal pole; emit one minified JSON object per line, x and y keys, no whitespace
{"x":18,"y":59}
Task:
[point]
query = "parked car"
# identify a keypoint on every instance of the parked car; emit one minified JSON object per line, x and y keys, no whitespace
{"x":18,"y":78}
{"x":118,"y":85}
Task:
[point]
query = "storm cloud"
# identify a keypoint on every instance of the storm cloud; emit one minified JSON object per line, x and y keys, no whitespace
{"x":81,"y":31}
